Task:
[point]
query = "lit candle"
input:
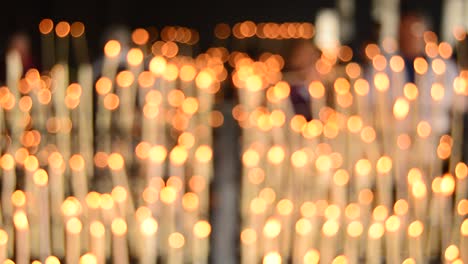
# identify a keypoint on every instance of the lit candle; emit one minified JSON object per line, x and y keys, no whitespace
{"x":22,"y":246}
{"x":73,"y":230}
{"x":201,"y":230}
{"x":56,"y":169}
{"x":176,"y":242}
{"x":3,"y":245}
{"x":374,"y":244}
{"x":353,"y":231}
{"x":392,"y":226}
{"x":415,"y":231}
{"x":464,"y":240}
{"x":41,"y":178}
{"x":328,"y":240}
{"x":85,"y":108}
{"x":46,"y":27}
{"x":97,"y":241}
{"x":119,"y":241}
{"x":148,"y":229}
{"x":248,"y":238}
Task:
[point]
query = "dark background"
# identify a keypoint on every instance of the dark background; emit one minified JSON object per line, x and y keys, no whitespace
{"x":98,"y":15}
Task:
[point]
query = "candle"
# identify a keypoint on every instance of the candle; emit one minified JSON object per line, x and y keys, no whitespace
{"x":392,"y":226}
{"x":73,"y":230}
{"x":55,"y":171}
{"x":119,"y":241}
{"x":202,"y":231}
{"x":40,"y":178}
{"x":47,"y":42}
{"x":353,"y":231}
{"x":3,"y":245}
{"x":176,"y":242}
{"x":415,"y":230}
{"x":464,"y":240}
{"x":22,"y":245}
{"x":374,"y":244}
{"x":148,"y":229}
{"x":328,"y":240}
{"x":85,"y":109}
{"x":88,"y":258}
{"x":97,"y":241}
{"x":248,"y":238}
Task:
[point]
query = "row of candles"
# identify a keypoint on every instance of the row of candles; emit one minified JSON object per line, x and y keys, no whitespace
{"x":372,"y":177}
{"x":114,"y":167}
{"x":363,"y":180}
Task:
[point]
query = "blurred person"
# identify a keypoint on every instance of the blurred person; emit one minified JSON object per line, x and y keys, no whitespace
{"x":300,"y":71}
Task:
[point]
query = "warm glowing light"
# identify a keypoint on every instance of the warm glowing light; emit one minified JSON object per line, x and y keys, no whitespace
{"x":158,"y":65}
{"x":451,"y":253}
{"x":74,"y":226}
{"x":308,"y":209}
{"x":312,"y":256}
{"x":115,"y":161}
{"x":119,"y":226}
{"x":18,"y":198}
{"x":464,"y":228}
{"x":415,"y":229}
{"x":354,"y":229}
{"x":376,"y":230}
{"x":447,"y":185}
{"x":400,"y":207}
{"x":272,"y":258}
{"x":97,"y":229}
{"x":340,"y":260}
{"x":392,"y":224}
{"x":352,"y":211}
{"x":62,"y":29}
{"x":366,"y":196}
{"x":424,"y":129}
{"x":103,"y":85}
{"x":368,"y":134}
{"x":411,"y":91}
{"x":157,"y":154}
{"x":111,"y":101}
{"x":3,"y":237}
{"x":77,"y":29}
{"x":88,"y":258}
{"x":204,"y":80}
{"x":285,"y":207}
{"x":50,"y":260}
{"x":401,"y":108}
{"x":149,"y":226}
{"x":202,"y":229}
{"x":330,"y":228}
{"x":134,"y":56}
{"x":303,"y":226}
{"x":361,"y":87}
{"x":272,"y":228}
{"x":341,"y":86}
{"x":299,"y":158}
{"x":461,"y":170}
{"x":420,"y":65}
{"x":112,"y":48}
{"x":380,"y":213}
{"x":437,"y":92}
{"x":276,"y":154}
{"x":46,"y":26}
{"x":140,"y":36}
{"x":176,"y":240}
{"x":363,"y":167}
{"x":168,"y":194}
{"x":381,"y":82}
{"x":397,"y":64}
{"x":190,"y":201}
{"x":40,"y":177}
